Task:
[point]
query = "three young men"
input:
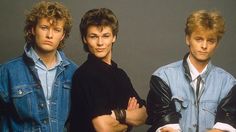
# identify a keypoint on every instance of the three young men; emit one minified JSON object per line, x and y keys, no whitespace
{"x":35,"y":88}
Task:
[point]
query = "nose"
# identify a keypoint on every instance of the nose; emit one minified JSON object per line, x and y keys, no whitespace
{"x":49,"y":34}
{"x":204,"y":44}
{"x":100,"y":41}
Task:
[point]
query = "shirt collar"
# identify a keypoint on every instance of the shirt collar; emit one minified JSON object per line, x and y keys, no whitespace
{"x":193,"y":71}
{"x":32,"y":54}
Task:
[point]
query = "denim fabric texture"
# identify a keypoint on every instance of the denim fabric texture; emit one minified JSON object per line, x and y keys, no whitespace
{"x":216,"y":85}
{"x":23,"y":104}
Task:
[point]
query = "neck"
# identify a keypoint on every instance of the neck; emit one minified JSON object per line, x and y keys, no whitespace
{"x":49,"y":59}
{"x":107,"y":58}
{"x":199,"y":65}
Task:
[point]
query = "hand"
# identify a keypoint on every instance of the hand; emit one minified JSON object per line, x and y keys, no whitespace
{"x":105,"y":123}
{"x":132,"y":104}
{"x":215,"y":130}
{"x":168,"y":129}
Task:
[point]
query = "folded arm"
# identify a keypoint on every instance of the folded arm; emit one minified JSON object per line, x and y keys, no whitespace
{"x":106,"y":123}
{"x":160,"y":108}
{"x":226,"y":111}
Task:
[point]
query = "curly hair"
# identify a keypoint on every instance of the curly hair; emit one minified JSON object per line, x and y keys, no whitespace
{"x":211,"y":20}
{"x":98,"y":17}
{"x":51,"y":10}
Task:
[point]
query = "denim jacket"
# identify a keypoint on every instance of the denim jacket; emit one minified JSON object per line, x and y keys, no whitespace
{"x":195,"y":112}
{"x":23,"y":106}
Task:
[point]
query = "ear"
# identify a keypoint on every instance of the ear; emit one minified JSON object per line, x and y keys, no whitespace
{"x":114,"y":39}
{"x":84,"y":39}
{"x":62,"y":37}
{"x":33,"y":31}
{"x":187,"y":39}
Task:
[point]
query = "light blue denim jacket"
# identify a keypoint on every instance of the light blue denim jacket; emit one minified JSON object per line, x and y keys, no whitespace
{"x":22,"y":101}
{"x":216,"y":85}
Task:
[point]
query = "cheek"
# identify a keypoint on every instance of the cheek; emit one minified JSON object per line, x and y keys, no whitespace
{"x":212,"y":50}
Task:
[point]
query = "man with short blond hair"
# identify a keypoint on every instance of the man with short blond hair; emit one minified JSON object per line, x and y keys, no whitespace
{"x":184,"y":95}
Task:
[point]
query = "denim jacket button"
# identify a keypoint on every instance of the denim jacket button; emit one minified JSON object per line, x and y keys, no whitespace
{"x":42,"y":105}
{"x":45,"y":121}
{"x":20,"y":92}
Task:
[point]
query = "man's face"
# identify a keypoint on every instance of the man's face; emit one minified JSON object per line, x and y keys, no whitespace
{"x":48,"y":35}
{"x":202,"y":45}
{"x":99,"y":41}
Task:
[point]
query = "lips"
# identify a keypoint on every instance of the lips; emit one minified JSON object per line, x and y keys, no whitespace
{"x":48,"y":42}
{"x":100,"y":49}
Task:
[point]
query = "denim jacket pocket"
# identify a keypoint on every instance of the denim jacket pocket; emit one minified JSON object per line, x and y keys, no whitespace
{"x":21,"y":96}
{"x":65,"y":102}
{"x":180,"y":103}
{"x":67,"y":85}
{"x":210,"y":107}
{"x":21,"y":91}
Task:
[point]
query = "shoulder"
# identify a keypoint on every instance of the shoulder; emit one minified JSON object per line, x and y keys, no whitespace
{"x":72,"y":64}
{"x":13,"y":63}
{"x":169,"y":68}
{"x":85,"y":70}
{"x":66,"y":60}
{"x":221,"y":73}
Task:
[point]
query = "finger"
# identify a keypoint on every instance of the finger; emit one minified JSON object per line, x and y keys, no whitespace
{"x":129,"y":103}
{"x":133,"y":103}
{"x":137,"y":106}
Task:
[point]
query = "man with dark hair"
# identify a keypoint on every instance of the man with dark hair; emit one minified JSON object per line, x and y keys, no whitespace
{"x":103,"y":98}
{"x":184,"y":95}
{"x":35,"y":88}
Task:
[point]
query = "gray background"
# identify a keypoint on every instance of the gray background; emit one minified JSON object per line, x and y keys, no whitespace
{"x":151,"y":34}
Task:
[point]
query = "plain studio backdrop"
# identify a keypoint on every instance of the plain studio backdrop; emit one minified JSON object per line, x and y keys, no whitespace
{"x":151,"y":34}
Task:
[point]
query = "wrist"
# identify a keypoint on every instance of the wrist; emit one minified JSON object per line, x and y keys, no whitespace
{"x":120,"y":115}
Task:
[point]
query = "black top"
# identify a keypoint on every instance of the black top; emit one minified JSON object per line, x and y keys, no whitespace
{"x":98,"y":88}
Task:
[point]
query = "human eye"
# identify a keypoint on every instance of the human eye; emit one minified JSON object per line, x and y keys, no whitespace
{"x":44,"y":28}
{"x":58,"y":30}
{"x":212,"y":41}
{"x":198,"y":39}
{"x":106,"y":35}
{"x":92,"y":36}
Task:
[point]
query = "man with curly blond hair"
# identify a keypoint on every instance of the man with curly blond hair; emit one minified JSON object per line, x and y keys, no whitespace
{"x":35,"y":88}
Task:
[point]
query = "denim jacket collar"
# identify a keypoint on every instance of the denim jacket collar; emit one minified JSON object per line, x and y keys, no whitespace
{"x":30,"y":61}
{"x":187,"y":71}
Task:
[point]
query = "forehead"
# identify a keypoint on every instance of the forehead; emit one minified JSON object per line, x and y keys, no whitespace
{"x":99,"y":29}
{"x":209,"y":33}
{"x":51,"y":22}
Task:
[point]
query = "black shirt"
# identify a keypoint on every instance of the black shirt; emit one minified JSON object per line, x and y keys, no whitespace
{"x":98,"y":88}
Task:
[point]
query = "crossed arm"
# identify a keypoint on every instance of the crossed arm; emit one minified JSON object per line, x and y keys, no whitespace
{"x":135,"y":116}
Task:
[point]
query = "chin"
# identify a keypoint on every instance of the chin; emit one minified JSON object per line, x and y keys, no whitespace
{"x":203,"y":60}
{"x":100,"y":55}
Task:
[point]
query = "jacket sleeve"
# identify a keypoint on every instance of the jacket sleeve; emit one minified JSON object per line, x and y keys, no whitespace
{"x":160,"y":108}
{"x":226,"y":110}
{"x":3,"y":88}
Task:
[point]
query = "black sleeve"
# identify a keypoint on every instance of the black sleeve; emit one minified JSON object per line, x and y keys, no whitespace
{"x":89,"y":92}
{"x":160,"y":109}
{"x":226,"y":110}
{"x":3,"y":90}
{"x":130,"y":89}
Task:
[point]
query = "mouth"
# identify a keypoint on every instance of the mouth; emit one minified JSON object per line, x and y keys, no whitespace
{"x":99,"y":49}
{"x":48,"y":42}
{"x":200,"y":52}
